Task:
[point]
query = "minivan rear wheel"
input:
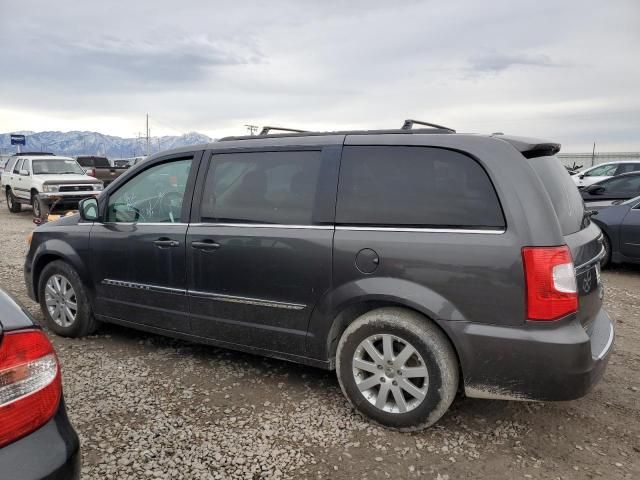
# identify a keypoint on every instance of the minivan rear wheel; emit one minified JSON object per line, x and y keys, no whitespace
{"x":397,"y":368}
{"x":64,"y":301}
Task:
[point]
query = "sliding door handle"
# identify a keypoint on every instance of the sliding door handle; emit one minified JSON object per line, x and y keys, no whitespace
{"x":205,"y":245}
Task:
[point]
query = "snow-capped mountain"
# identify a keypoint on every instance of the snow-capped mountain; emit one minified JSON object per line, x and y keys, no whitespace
{"x":94,"y":143}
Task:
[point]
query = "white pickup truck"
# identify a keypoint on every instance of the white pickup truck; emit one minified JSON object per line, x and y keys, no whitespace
{"x":45,"y":182}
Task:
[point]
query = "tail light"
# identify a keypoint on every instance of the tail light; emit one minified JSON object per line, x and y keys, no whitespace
{"x":30,"y":385}
{"x":551,"y":282}
{"x":91,"y":172}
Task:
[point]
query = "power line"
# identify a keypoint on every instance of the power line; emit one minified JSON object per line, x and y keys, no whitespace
{"x":252,"y":129}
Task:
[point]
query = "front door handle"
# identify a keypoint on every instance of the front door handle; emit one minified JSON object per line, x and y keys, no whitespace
{"x":166,"y":243}
{"x":206,"y":245}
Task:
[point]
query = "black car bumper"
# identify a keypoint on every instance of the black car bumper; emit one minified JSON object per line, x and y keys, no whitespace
{"x":52,"y":452}
{"x":562,"y":361}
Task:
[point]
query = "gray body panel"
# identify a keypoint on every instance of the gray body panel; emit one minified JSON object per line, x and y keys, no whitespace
{"x":289,"y":291}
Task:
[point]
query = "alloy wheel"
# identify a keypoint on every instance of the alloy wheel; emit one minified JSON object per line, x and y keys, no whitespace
{"x":390,"y":373}
{"x":61,"y":300}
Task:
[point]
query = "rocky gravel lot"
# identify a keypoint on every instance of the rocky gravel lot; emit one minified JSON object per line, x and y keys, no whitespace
{"x":150,"y":407}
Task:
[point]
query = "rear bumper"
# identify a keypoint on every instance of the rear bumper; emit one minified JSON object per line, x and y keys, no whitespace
{"x":52,"y":452}
{"x":561,"y":361}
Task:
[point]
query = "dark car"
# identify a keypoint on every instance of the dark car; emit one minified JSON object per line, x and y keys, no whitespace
{"x":100,"y":168}
{"x":614,"y":189}
{"x":621,"y":227}
{"x":37,"y":440}
{"x":409,"y":260}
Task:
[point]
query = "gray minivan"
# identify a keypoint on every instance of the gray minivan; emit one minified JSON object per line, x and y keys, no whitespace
{"x":414,"y":262}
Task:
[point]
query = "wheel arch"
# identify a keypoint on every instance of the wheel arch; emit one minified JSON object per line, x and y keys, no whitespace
{"x":397,"y":293}
{"x":51,"y":251}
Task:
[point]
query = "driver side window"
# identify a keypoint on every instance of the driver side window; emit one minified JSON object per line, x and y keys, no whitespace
{"x":153,"y":196}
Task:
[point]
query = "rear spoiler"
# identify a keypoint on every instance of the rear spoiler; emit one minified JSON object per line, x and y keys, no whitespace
{"x":530,"y":147}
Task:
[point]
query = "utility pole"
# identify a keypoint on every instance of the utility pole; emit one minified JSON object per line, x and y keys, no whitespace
{"x":593,"y":155}
{"x":252,"y":129}
{"x":147,"y":134}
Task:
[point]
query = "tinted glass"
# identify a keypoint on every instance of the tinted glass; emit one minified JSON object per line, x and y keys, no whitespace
{"x":564,"y":194}
{"x":602,"y":171}
{"x":628,"y":167}
{"x":85,"y":162}
{"x":154,"y":195}
{"x":101,"y":162}
{"x":629,"y":183}
{"x":415,"y":186}
{"x":264,"y":187}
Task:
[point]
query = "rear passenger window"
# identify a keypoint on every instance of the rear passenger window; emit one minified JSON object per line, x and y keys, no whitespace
{"x":415,"y":186}
{"x":261,"y":187}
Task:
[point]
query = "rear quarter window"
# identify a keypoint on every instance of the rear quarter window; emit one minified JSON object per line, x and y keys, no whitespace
{"x":567,"y":201}
{"x":415,"y":187}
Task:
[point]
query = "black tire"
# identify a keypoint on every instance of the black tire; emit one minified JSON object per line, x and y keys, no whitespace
{"x":84,"y":322}
{"x":40,"y":208}
{"x":606,"y":260}
{"x":13,"y":204}
{"x":435,"y":350}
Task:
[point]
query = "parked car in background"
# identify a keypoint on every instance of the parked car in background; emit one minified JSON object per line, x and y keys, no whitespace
{"x":128,"y":162}
{"x":600,"y":172}
{"x":46,"y":180}
{"x":620,"y":224}
{"x":404,"y":259}
{"x":37,"y":441}
{"x":615,"y":189}
{"x":100,"y":168}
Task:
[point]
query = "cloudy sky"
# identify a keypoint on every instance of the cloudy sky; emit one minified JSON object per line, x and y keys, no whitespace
{"x":566,"y":70}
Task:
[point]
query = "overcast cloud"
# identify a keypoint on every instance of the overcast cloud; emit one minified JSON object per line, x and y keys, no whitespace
{"x":567,"y":70}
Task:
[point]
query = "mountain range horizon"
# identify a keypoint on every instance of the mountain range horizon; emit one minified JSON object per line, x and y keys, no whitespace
{"x":77,"y":142}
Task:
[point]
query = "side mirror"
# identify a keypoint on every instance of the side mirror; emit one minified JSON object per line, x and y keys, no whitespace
{"x":24,"y":173}
{"x":88,"y":209}
{"x":596,"y":189}
{"x":581,"y":176}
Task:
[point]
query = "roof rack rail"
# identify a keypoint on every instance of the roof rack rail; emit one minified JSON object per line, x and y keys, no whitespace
{"x":408,"y":125}
{"x":31,"y":154}
{"x":266,"y":130}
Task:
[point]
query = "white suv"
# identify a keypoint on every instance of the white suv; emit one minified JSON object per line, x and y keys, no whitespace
{"x":44,"y":181}
{"x":594,"y":174}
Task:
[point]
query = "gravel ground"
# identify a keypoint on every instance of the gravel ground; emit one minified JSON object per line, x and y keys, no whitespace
{"x":151,"y":407}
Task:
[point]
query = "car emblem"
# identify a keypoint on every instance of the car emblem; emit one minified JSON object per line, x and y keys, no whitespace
{"x":586,"y":282}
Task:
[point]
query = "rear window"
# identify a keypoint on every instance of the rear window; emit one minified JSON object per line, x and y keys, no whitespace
{"x":97,"y":162}
{"x":567,"y":201}
{"x":415,"y":186}
{"x":102,"y":163}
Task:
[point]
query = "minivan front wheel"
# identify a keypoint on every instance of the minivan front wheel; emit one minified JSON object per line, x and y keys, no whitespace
{"x":64,"y":301}
{"x":397,"y":368}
